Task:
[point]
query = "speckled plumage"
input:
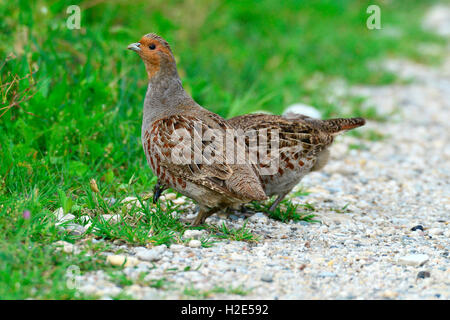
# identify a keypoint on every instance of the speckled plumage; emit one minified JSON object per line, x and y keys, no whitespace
{"x":303,"y":146}
{"x":168,"y":108}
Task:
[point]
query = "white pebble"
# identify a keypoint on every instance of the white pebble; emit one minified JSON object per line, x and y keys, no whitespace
{"x":62,"y":217}
{"x":177,"y":247}
{"x":119,"y":260}
{"x":149,"y":255}
{"x":413,"y":259}
{"x":258,"y":217}
{"x":435,"y":231}
{"x":65,"y":246}
{"x":179,"y":201}
{"x":195,"y":244}
{"x":303,"y":109}
{"x":111,"y":218}
{"x":389,"y":294}
{"x":170,"y":196}
{"x":131,"y":202}
{"x":192,"y":234}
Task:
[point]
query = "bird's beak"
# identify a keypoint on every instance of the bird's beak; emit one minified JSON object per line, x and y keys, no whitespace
{"x":134,"y":47}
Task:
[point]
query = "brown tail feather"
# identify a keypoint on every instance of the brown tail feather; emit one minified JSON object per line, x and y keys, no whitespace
{"x":338,"y":125}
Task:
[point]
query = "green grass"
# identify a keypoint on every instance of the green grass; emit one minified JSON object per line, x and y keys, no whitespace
{"x":192,"y":292}
{"x":358,"y":146}
{"x":368,"y":134}
{"x":120,"y":279}
{"x":287,"y":211}
{"x":240,"y":234}
{"x":139,"y":226}
{"x":71,"y":105}
{"x":344,"y":209}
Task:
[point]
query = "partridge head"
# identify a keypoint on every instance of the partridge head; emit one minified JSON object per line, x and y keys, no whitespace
{"x":156,"y":54}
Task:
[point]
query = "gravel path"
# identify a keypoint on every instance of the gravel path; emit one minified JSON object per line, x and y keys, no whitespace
{"x":366,"y":251}
{"x":369,"y":200}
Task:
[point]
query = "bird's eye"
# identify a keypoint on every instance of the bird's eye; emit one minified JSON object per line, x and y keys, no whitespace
{"x":152,"y":46}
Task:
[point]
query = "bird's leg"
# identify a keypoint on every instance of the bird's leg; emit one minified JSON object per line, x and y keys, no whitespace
{"x":277,"y":201}
{"x":243,"y":209}
{"x":203,"y":213}
{"x":157,"y":190}
{"x":235,"y":209}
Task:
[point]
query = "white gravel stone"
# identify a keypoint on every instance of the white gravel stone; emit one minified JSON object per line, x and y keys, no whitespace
{"x":66,"y":247}
{"x":436,"y":231}
{"x":111,"y":218}
{"x":63,"y":217}
{"x":179,"y":201}
{"x":303,"y":109}
{"x":177,"y":247}
{"x":267,"y":277}
{"x":119,"y":260}
{"x":389,"y":294}
{"x":75,"y":229}
{"x":195,"y":243}
{"x":131,"y":202}
{"x":447,"y":233}
{"x":258,"y":217}
{"x":413,"y":259}
{"x":170,"y":196}
{"x":149,"y":255}
{"x":192,"y":234}
{"x":160,"y":248}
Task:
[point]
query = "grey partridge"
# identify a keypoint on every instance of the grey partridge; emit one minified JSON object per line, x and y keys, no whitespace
{"x":303,"y":146}
{"x":169,"y":114}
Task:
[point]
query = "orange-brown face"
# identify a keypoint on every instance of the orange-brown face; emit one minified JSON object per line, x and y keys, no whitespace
{"x":153,"y":50}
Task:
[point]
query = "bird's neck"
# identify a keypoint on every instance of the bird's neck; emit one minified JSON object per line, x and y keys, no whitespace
{"x":165,"y":96}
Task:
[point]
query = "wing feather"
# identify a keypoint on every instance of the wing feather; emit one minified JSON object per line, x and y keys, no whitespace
{"x":172,"y":134}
